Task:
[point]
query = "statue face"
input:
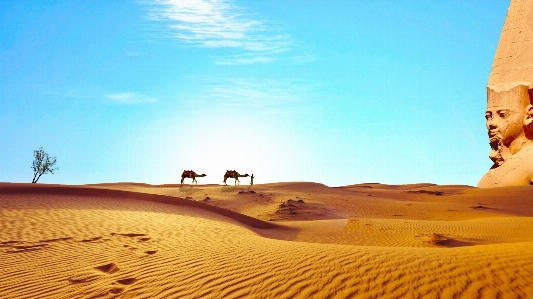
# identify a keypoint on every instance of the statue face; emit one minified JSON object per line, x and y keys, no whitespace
{"x":504,"y":124}
{"x":506,"y":114}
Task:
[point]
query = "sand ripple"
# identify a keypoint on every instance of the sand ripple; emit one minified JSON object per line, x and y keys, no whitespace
{"x":89,"y":246}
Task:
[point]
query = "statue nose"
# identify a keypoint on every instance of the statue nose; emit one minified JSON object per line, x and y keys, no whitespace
{"x":492,"y":123}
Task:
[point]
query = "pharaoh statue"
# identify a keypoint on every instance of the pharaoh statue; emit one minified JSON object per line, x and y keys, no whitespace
{"x":510,"y":126}
{"x":509,"y":111}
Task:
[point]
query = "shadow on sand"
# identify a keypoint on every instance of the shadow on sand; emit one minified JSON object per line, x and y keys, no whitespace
{"x":189,"y":189}
{"x":230,"y":188}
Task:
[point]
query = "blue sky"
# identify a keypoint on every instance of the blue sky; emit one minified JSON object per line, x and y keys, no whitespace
{"x":336,"y":92}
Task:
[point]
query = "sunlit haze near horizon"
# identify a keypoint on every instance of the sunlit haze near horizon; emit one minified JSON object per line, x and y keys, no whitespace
{"x":335,"y":92}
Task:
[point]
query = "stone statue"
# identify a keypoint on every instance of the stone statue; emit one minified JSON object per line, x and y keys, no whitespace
{"x":509,"y":111}
{"x":510,"y":126}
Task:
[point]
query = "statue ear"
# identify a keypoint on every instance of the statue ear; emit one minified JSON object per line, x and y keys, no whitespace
{"x":528,"y":122}
{"x":529,"y":115}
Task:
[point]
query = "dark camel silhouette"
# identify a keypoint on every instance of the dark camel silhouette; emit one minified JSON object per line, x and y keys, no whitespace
{"x":191,"y":175}
{"x":234,"y":175}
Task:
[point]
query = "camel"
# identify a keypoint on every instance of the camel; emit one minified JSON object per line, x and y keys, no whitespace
{"x":234,"y":175}
{"x":192,"y":175}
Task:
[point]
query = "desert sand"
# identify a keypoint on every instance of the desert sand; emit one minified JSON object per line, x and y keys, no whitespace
{"x":282,"y":240}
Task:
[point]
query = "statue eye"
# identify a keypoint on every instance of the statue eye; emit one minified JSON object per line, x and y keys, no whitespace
{"x":503,"y":114}
{"x":488,"y":116}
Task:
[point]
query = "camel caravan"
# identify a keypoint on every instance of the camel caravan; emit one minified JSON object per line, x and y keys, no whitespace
{"x":230,"y":174}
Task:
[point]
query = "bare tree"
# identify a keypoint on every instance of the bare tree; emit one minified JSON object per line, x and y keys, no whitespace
{"x":42,"y":164}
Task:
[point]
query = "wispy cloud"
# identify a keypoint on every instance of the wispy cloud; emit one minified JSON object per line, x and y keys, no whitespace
{"x":71,"y":93}
{"x":269,"y":95}
{"x":244,"y":59}
{"x":220,"y":24}
{"x":129,"y":98}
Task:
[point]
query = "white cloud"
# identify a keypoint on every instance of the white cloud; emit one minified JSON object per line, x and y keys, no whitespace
{"x":220,"y":24}
{"x":129,"y":98}
{"x":265,"y":94}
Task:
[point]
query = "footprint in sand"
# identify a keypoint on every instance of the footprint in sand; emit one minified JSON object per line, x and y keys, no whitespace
{"x":25,"y":248}
{"x":108,"y":268}
{"x":16,"y":246}
{"x":132,"y":235}
{"x":91,"y":275}
{"x":118,"y":286}
{"x":116,"y":290}
{"x":84,"y":277}
{"x":127,"y":281}
{"x":124,"y":282}
{"x":140,"y":238}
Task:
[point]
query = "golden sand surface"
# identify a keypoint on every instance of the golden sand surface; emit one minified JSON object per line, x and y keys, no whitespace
{"x":283,"y":240}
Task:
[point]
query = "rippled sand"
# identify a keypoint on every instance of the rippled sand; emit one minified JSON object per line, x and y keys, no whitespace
{"x":285,"y":240}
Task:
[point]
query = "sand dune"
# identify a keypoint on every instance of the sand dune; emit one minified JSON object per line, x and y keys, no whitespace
{"x":285,"y":240}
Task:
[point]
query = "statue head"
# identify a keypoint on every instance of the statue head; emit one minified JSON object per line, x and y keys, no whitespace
{"x":509,"y":123}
